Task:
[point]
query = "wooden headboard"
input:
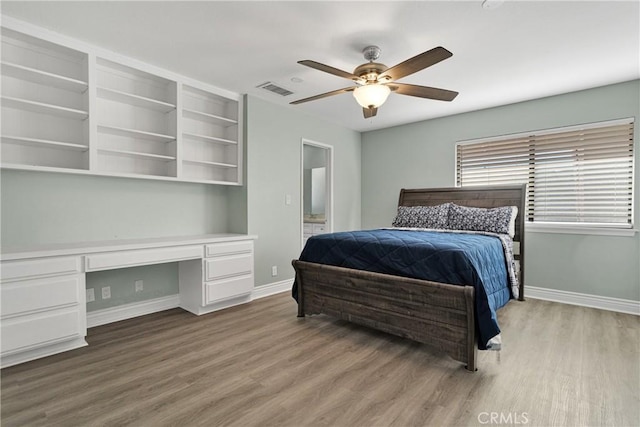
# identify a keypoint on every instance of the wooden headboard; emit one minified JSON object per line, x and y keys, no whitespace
{"x":477,"y":197}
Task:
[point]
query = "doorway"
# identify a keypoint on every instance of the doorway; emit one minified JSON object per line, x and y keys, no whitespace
{"x":317,"y":189}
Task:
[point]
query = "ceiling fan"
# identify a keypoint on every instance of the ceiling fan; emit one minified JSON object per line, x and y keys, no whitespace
{"x":376,"y":81}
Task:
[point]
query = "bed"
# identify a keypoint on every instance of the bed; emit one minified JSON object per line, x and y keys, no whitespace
{"x":440,"y":314}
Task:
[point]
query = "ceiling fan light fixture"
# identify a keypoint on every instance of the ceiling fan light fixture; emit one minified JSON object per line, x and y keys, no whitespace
{"x":371,"y":95}
{"x":376,"y":81}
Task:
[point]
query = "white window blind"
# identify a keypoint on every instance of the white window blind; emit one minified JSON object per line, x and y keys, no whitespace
{"x":582,"y":174}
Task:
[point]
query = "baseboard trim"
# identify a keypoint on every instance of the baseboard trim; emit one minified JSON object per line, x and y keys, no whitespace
{"x":271,"y":289}
{"x":135,"y":309}
{"x":585,"y":300}
{"x":128,"y":311}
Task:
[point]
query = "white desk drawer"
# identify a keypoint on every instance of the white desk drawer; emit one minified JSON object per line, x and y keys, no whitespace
{"x":234,"y":265}
{"x":228,"y":248}
{"x":42,"y":329}
{"x":39,"y":267}
{"x":40,"y":294}
{"x":230,"y":288}
{"x":107,"y":261}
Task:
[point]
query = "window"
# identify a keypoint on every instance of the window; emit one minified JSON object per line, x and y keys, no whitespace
{"x":575,"y":175}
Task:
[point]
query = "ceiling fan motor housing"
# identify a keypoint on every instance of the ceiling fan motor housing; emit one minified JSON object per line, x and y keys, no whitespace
{"x":370,"y":71}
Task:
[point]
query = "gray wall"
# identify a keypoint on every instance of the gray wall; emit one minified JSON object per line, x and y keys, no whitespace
{"x":43,"y":208}
{"x":158,"y":281}
{"x":274,"y":143}
{"x":422,"y":155}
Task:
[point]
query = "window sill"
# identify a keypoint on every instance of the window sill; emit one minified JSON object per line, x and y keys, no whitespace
{"x":569,"y":229}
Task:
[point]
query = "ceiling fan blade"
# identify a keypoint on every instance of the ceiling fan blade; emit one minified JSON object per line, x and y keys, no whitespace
{"x":369,"y":112}
{"x":328,"y":69}
{"x":417,"y":63}
{"x":423,"y":91}
{"x":324,"y":95}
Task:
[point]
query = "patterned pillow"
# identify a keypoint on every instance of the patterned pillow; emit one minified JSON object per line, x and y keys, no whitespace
{"x":496,"y":220}
{"x":422,"y":216}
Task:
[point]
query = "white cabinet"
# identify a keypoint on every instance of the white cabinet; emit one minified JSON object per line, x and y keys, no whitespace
{"x":312,"y":229}
{"x":319,"y":228}
{"x":85,"y":110}
{"x":226,"y":275}
{"x":228,"y":271}
{"x":42,"y":291}
{"x":43,"y":308}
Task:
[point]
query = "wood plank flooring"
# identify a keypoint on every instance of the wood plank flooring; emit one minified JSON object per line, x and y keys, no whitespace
{"x":259,"y":365}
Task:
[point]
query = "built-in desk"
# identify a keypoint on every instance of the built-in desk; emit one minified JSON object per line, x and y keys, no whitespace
{"x":42,"y":289}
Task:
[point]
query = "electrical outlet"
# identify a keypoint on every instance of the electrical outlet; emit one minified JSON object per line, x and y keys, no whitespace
{"x":91,"y":295}
{"x":139,"y":285}
{"x":106,"y":292}
{"x":274,"y":271}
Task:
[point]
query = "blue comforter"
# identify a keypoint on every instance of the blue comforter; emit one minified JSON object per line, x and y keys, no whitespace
{"x":455,"y":258}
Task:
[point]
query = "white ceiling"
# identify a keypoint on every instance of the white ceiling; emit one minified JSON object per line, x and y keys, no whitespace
{"x":521,"y":50}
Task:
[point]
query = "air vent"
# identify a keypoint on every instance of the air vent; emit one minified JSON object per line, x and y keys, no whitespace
{"x":275,"y":89}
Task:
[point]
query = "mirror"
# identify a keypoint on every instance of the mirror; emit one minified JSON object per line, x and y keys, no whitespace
{"x":318,"y":190}
{"x":314,"y":183}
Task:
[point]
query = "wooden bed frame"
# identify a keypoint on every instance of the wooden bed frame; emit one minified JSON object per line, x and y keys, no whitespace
{"x":438,"y":314}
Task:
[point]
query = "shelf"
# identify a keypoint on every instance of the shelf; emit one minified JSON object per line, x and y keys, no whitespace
{"x":137,"y":154}
{"x":211,"y":118}
{"x":43,"y":143}
{"x":140,"y":134}
{"x":135,"y":100}
{"x":77,"y":112}
{"x":42,"y":77}
{"x":212,"y":139}
{"x":216,"y":164}
{"x":39,"y":107}
{"x":39,"y":168}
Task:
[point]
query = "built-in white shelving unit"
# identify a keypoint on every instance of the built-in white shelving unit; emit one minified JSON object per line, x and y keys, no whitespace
{"x":131,"y":106}
{"x":69,"y":107}
{"x":210,"y":136}
{"x":44,"y":103}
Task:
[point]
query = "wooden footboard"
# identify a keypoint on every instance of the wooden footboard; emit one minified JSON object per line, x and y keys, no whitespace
{"x":436,"y":314}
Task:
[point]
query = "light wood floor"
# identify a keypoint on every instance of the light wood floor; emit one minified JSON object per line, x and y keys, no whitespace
{"x":259,"y":365}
